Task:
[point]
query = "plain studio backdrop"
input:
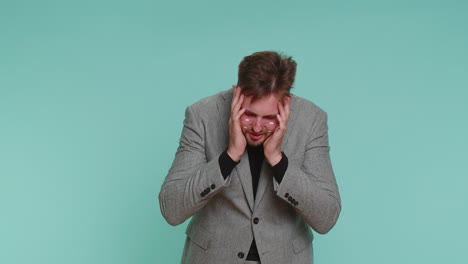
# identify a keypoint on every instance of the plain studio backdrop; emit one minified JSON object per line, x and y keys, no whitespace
{"x":93,"y":94}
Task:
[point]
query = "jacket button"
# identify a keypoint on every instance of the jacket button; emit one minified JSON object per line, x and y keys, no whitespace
{"x":296,"y":203}
{"x":207,"y":190}
{"x":256,"y":220}
{"x":240,"y":255}
{"x":293,"y":201}
{"x":213,"y":186}
{"x":290,"y":198}
{"x":202,"y":194}
{"x":286,"y":195}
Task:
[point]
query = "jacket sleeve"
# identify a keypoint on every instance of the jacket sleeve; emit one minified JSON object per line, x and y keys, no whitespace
{"x":309,"y":184}
{"x":192,"y":180}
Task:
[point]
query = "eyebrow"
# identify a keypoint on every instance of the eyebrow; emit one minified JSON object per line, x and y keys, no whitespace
{"x":254,"y":114}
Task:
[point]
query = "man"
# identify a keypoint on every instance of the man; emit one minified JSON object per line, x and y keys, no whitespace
{"x":253,"y":170}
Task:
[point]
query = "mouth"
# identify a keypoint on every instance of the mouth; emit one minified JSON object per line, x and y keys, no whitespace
{"x":255,"y":137}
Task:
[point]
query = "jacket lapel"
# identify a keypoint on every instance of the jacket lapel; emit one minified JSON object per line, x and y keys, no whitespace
{"x":245,"y":177}
{"x":265,"y":178}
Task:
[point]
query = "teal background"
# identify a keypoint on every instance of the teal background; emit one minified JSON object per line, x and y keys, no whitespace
{"x":93,"y":94}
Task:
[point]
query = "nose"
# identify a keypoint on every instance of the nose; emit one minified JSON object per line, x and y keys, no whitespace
{"x":257,"y":128}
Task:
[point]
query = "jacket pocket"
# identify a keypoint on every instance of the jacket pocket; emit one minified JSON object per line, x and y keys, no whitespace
{"x":303,"y":240}
{"x":199,"y":236}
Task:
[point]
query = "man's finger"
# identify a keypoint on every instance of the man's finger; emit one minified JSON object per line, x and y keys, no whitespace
{"x":281,"y":109}
{"x":285,"y":107}
{"x":239,"y":114}
{"x":238,"y":104}
{"x":235,"y":97}
{"x":281,"y":121}
{"x":288,"y":105}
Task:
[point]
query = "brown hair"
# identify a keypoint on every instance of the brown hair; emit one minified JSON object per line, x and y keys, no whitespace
{"x":266,"y":72}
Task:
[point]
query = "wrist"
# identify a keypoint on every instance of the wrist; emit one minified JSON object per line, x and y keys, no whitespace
{"x":235,"y":156}
{"x":274,"y":158}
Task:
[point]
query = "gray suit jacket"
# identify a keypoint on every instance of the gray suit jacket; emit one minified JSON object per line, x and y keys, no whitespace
{"x":223,"y":226}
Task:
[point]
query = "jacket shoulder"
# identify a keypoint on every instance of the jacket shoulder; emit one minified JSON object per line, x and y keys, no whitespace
{"x":308,"y":108}
{"x":210,"y":101}
{"x":208,"y":106}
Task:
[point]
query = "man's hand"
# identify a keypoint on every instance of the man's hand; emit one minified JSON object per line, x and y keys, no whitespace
{"x":272,"y":145}
{"x":237,"y":141}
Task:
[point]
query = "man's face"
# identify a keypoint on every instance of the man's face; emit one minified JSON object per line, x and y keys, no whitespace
{"x":261,"y":111}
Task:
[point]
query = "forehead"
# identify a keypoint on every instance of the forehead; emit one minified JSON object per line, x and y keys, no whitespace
{"x":263,"y":106}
